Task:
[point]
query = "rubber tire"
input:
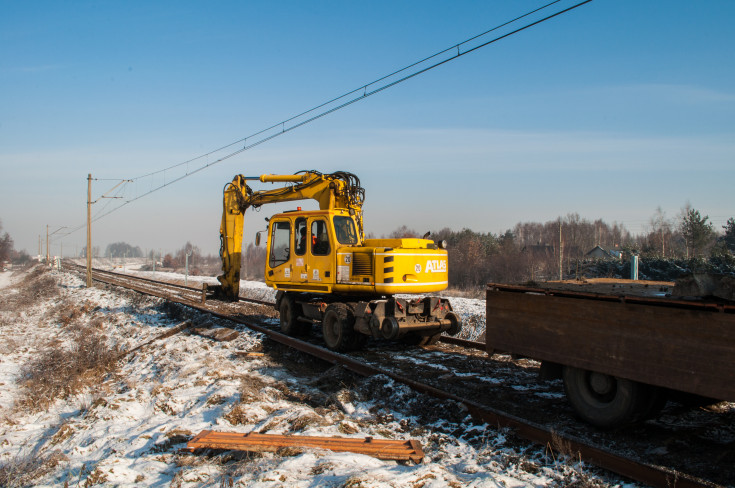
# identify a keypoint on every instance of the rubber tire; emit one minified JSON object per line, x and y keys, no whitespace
{"x":338,"y":328}
{"x":624,"y":402}
{"x":290,"y":312}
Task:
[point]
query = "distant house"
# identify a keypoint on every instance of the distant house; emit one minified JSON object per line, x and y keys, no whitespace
{"x":539,"y":251}
{"x":599,"y":253}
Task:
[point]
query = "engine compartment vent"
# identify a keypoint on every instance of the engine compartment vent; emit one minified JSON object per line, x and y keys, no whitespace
{"x":362,"y":264}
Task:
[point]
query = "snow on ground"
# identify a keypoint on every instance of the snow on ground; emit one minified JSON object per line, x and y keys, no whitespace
{"x":5,"y":278}
{"x":127,"y":429}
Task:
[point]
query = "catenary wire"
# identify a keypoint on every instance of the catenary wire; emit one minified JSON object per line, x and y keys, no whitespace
{"x":365,"y":94}
{"x":356,"y":90}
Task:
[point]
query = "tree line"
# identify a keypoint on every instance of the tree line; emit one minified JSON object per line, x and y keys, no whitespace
{"x":535,"y":251}
{"x":530,"y":251}
{"x":8,"y":253}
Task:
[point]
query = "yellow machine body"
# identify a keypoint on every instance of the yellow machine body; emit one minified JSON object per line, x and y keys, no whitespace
{"x":326,"y":272}
{"x":335,"y":261}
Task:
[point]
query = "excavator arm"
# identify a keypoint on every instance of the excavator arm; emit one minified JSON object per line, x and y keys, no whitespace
{"x":339,"y":190}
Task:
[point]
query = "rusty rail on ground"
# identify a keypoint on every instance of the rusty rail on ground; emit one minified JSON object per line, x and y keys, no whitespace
{"x":388,"y":449}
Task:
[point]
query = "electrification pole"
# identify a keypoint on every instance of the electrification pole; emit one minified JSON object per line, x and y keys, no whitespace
{"x":89,"y":222}
{"x":561,"y":254}
{"x":186,"y":277}
{"x":48,"y":251}
{"x":89,"y":230}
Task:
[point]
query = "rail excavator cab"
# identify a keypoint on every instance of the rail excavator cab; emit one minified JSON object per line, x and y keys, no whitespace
{"x":302,"y":249}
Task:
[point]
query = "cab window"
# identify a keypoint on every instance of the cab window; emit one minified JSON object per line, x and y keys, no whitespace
{"x":300,"y":237}
{"x":319,"y":238}
{"x":280,"y":240}
{"x":344,"y":228}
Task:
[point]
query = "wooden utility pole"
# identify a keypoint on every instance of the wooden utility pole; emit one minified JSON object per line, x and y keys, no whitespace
{"x":663,"y":244}
{"x":561,"y":254}
{"x":89,"y":230}
{"x":89,"y":222}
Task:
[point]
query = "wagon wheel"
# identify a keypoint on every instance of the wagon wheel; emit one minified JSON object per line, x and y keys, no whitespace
{"x":604,"y":400}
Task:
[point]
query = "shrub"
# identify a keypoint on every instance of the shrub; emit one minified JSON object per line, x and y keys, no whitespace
{"x":58,"y":372}
{"x":23,"y":469}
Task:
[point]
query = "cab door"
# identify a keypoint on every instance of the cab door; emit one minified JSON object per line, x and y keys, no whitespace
{"x":320,"y":259}
{"x":279,"y":252}
{"x":301,"y":248}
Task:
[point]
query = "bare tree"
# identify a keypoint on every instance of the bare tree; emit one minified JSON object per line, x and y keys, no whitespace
{"x":659,"y":239}
{"x":403,"y":232}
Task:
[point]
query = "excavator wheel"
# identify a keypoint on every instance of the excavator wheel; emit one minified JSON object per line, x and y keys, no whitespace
{"x":290,"y":312}
{"x":338,"y":328}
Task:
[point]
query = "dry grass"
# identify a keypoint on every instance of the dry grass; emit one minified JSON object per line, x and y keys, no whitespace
{"x":37,"y":284}
{"x":573,"y":472}
{"x":59,"y":372}
{"x":464,"y":292}
{"x":238,"y":415}
{"x":307,"y":419}
{"x":23,"y":469}
{"x":250,"y":388}
{"x":69,"y":312}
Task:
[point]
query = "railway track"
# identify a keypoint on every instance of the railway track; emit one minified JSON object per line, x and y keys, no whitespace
{"x":365,"y":364}
{"x":192,"y":295}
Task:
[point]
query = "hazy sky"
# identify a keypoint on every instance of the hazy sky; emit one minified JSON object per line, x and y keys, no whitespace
{"x":610,"y":111}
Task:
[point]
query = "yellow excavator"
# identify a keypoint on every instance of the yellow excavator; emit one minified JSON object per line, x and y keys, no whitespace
{"x":325,"y":270}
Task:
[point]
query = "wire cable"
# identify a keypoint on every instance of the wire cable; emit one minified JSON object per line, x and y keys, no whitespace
{"x":351,"y":92}
{"x":362,"y":93}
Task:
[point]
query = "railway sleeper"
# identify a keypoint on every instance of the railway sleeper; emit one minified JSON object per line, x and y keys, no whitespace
{"x":347,"y":322}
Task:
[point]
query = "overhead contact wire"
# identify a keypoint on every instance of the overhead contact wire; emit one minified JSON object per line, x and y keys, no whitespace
{"x":362,"y":88}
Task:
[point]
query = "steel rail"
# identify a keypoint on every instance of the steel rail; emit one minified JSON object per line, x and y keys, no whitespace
{"x":446,"y":339}
{"x":649,"y":474}
{"x":463,"y":343}
{"x":166,"y":283}
{"x":140,"y":278}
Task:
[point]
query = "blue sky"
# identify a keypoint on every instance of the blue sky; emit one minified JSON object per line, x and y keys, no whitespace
{"x":611,"y":110}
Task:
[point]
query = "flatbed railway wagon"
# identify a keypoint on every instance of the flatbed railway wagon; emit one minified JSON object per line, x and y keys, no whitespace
{"x":619,"y":356}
